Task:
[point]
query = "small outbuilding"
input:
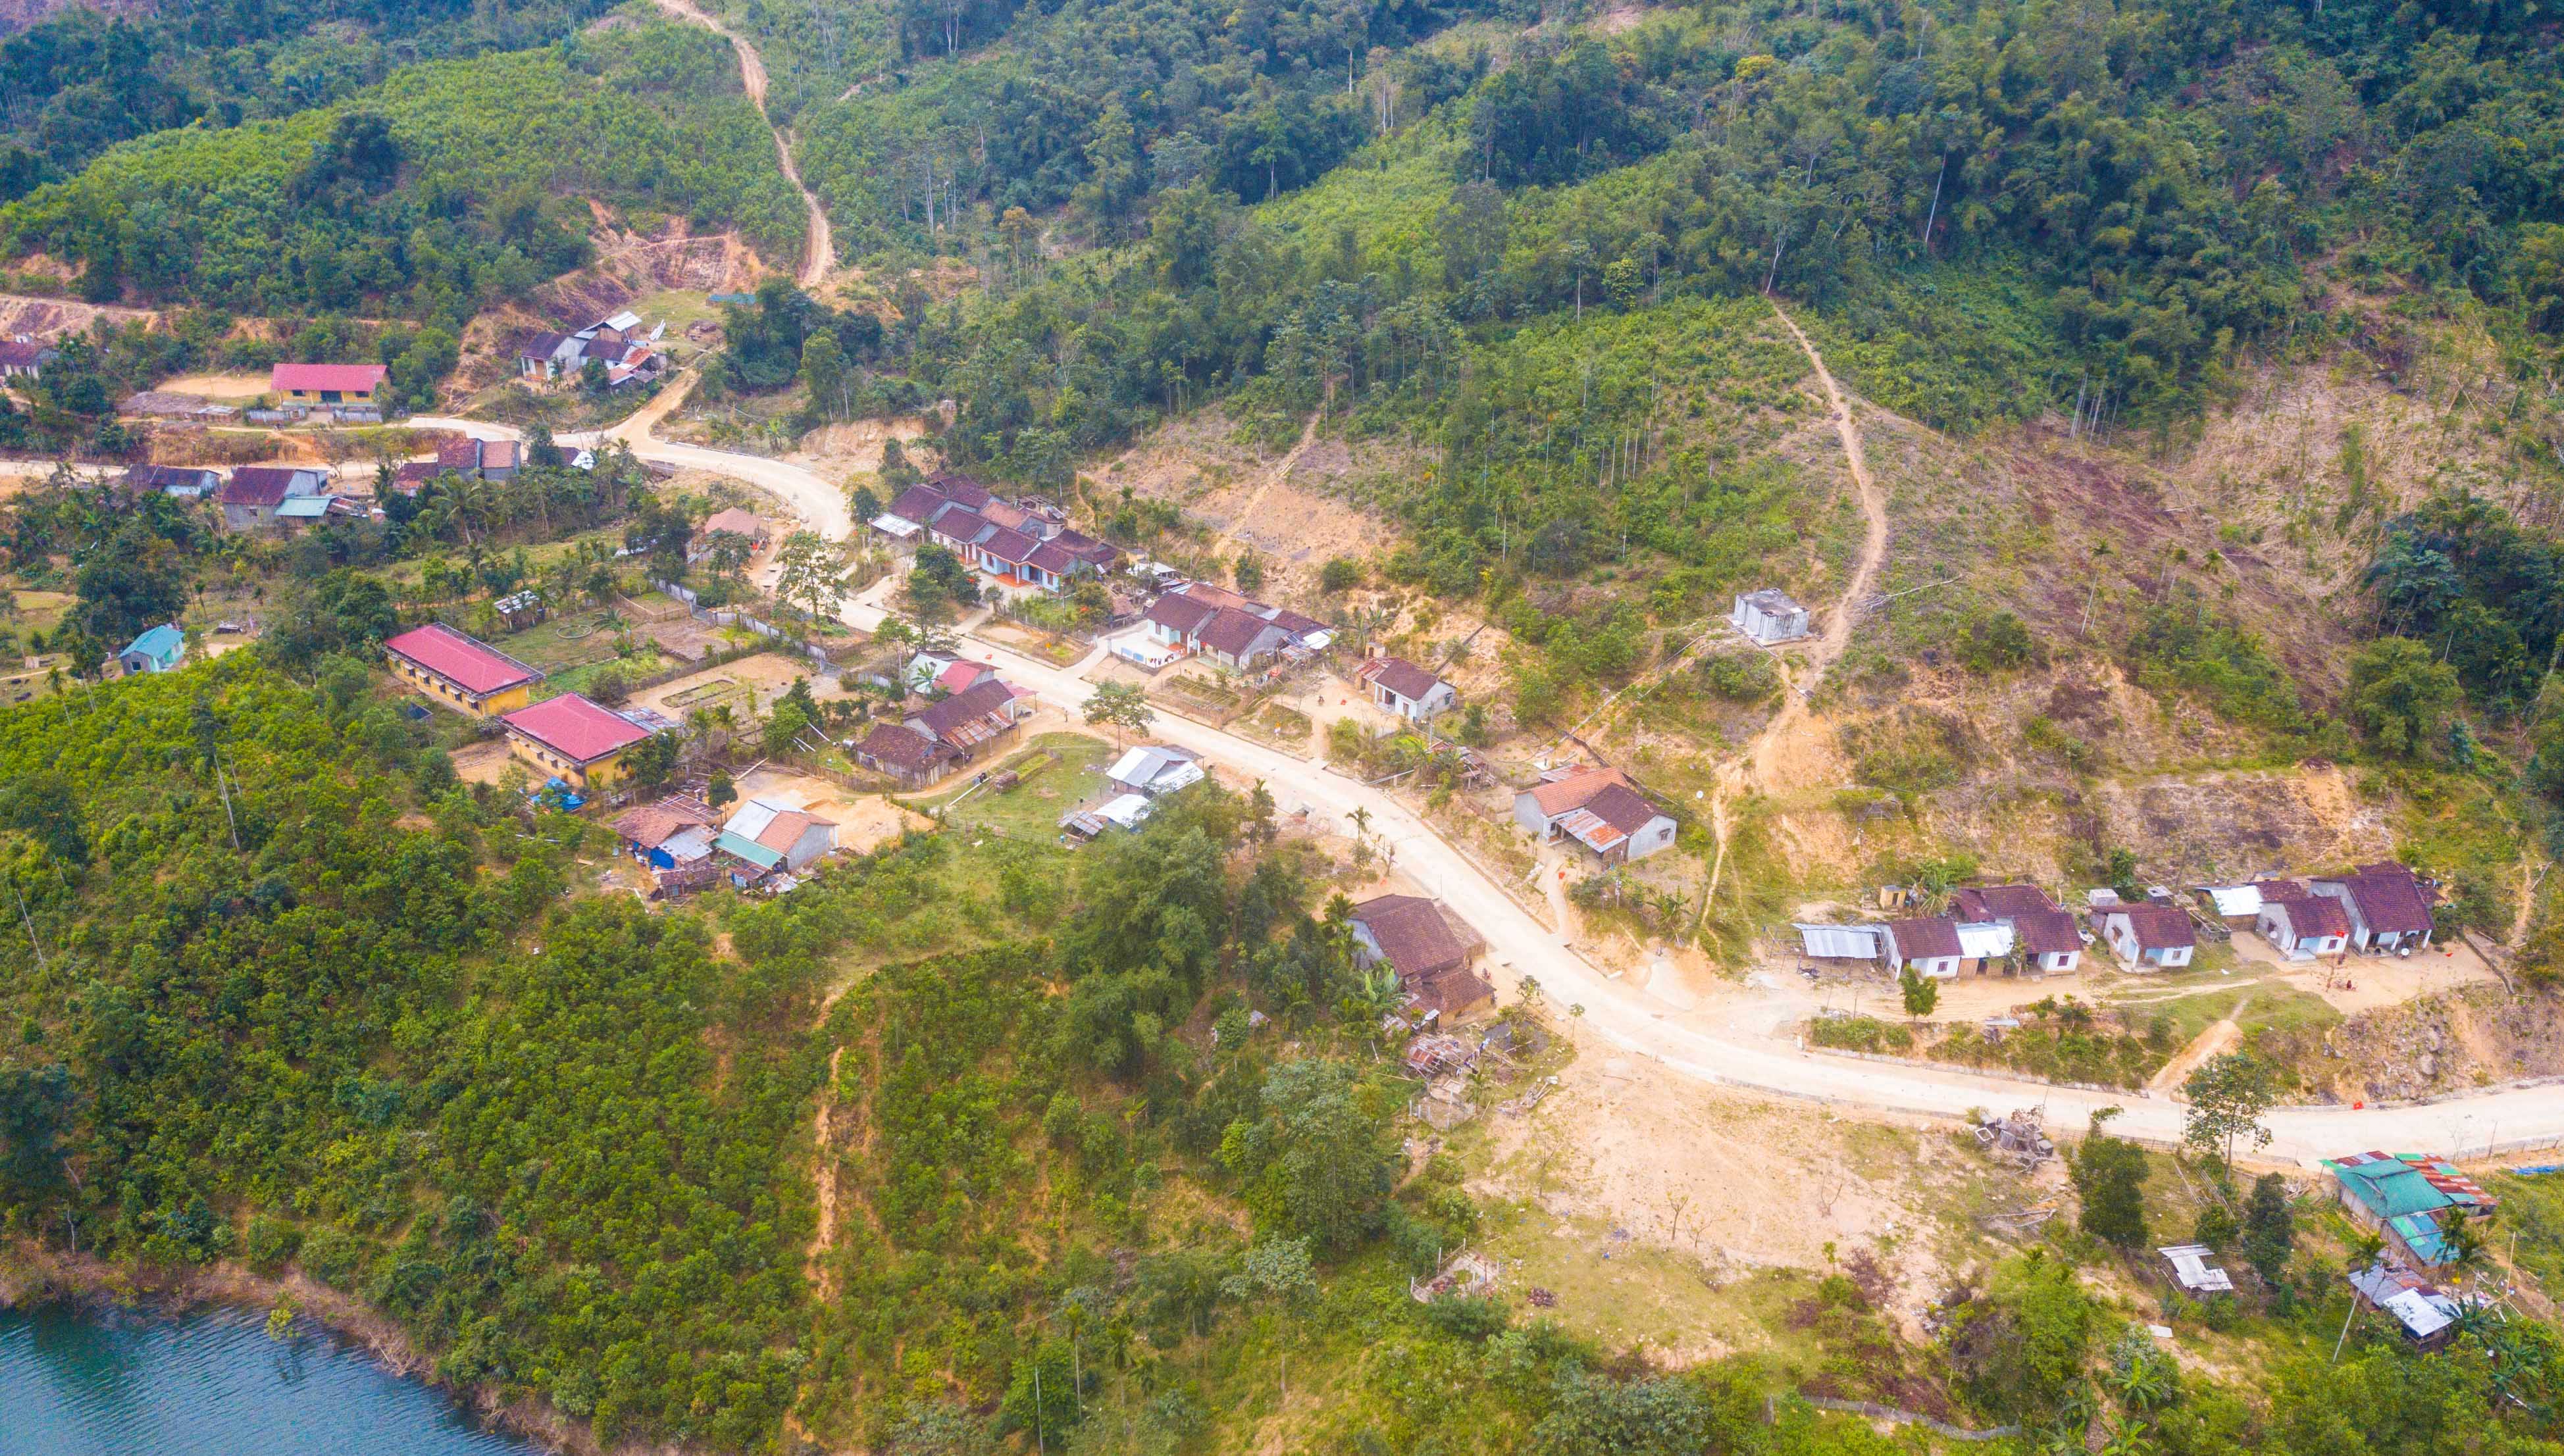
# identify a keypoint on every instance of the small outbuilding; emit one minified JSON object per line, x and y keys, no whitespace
{"x":157,"y":650}
{"x":1768,"y":616}
{"x":1929,"y":944}
{"x":2149,"y":937}
{"x":1401,"y":686}
{"x":2190,"y":1267}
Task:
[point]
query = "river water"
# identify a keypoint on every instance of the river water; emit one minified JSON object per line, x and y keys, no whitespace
{"x":84,"y":1383}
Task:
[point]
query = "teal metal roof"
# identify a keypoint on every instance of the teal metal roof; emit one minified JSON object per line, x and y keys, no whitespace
{"x":162,"y":644}
{"x":748,"y":850}
{"x":2421,"y":1233}
{"x":2394,"y":1184}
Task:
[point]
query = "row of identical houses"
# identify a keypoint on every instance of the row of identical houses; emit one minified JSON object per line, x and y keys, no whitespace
{"x":1016,"y":549}
{"x":2380,"y":909}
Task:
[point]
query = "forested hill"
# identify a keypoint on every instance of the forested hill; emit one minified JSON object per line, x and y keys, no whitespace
{"x":2006,"y":206}
{"x":79,"y":82}
{"x":447,"y":186}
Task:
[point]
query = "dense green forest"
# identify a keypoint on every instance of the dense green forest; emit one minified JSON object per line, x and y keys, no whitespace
{"x":285,"y":993}
{"x":79,"y":82}
{"x":448,"y":186}
{"x":1989,"y":212}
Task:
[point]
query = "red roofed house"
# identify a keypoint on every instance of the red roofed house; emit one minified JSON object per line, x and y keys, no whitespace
{"x":971,"y":721}
{"x":1930,"y":945}
{"x":572,"y":739}
{"x":1599,"y":809}
{"x":1432,"y":954}
{"x":903,"y":753}
{"x":2299,"y":924}
{"x":26,"y":357}
{"x":2042,"y":932}
{"x":2148,"y":936}
{"x":309,"y":384}
{"x":461,"y":671}
{"x":2390,"y":911}
{"x":1404,"y":688}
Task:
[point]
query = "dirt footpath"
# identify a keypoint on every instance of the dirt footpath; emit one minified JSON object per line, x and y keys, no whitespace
{"x":864,"y":822}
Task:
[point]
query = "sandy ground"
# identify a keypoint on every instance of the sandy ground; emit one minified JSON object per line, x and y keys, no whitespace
{"x":1761,"y":1183}
{"x":762,"y":679}
{"x":863,"y":821}
{"x":216,"y":386}
{"x":482,"y":763}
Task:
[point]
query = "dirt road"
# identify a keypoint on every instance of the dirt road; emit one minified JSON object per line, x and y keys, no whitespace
{"x":1704,"y":1046}
{"x":819,"y":249}
{"x":1756,"y":769}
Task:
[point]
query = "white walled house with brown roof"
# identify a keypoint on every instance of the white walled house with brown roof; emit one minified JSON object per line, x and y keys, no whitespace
{"x":1928,"y":946}
{"x":1401,"y":686}
{"x":1601,"y":809}
{"x":2299,"y":924}
{"x":2148,"y":936}
{"x":2389,"y":909}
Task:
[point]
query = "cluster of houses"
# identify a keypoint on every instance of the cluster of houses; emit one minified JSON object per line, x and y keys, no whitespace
{"x":615,"y":344}
{"x":1235,"y":631}
{"x":1013,"y":548}
{"x":2380,"y":909}
{"x":570,"y":737}
{"x":686,"y":843}
{"x":2411,"y":1201}
{"x":967,"y":710}
{"x":1600,"y":808}
{"x":1134,"y":783}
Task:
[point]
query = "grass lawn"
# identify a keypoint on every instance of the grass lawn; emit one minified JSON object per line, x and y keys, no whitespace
{"x":568,"y":640}
{"x":2272,"y":1005}
{"x":1060,"y":771}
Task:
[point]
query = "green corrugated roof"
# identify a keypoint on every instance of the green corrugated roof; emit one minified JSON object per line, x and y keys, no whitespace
{"x":748,"y":849}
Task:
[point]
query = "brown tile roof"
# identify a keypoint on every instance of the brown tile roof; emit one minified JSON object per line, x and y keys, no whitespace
{"x":918,"y":503}
{"x":1414,"y":934}
{"x":2287,"y":891}
{"x":1012,"y":517}
{"x":2389,"y":898}
{"x":1007,"y":546}
{"x":1220,"y":596}
{"x":1576,"y":790}
{"x":649,"y":825}
{"x":950,"y":719}
{"x":259,"y":484}
{"x":1240,"y":634}
{"x":784,"y":830}
{"x":2002,"y":902}
{"x":2158,"y":926}
{"x":1180,"y":614}
{"x":1622,"y":807}
{"x":2318,"y":914}
{"x":737,"y":523}
{"x":1929,"y":937}
{"x":961,"y":524}
{"x":2046,"y":931}
{"x":899,"y":748}
{"x":961,"y":488}
{"x":1404,"y":678}
{"x":460,"y":455}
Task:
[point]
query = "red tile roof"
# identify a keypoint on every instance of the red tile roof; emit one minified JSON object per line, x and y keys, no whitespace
{"x":650,"y":825}
{"x":459,"y":455}
{"x":1572,"y":792}
{"x":20,"y":353}
{"x":918,"y":503}
{"x":575,"y":727}
{"x":1008,"y":546}
{"x":737,"y":522}
{"x":468,"y":663}
{"x":784,"y":830}
{"x":961,"y":487}
{"x":345,"y":378}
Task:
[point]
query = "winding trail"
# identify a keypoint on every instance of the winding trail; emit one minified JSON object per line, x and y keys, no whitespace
{"x":1756,"y":769}
{"x":819,"y":247}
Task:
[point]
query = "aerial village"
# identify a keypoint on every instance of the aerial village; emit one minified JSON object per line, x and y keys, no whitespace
{"x":1170,"y":681}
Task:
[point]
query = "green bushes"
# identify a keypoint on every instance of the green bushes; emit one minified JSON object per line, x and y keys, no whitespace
{"x":1859,"y":1034}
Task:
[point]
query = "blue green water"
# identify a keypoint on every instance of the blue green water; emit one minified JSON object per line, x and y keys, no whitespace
{"x":81,"y":1382}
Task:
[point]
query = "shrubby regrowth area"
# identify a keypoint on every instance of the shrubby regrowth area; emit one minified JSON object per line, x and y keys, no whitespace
{"x":438,"y":191}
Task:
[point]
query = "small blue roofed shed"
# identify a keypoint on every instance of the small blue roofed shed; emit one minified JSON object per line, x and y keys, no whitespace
{"x":156,"y":651}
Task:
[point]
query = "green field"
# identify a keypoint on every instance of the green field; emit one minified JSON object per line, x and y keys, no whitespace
{"x":1060,"y":771}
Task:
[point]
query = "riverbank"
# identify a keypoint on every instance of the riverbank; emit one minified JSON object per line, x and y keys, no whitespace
{"x":32,"y":1275}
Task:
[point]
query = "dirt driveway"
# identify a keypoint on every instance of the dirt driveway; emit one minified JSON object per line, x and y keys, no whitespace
{"x":864,"y":822}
